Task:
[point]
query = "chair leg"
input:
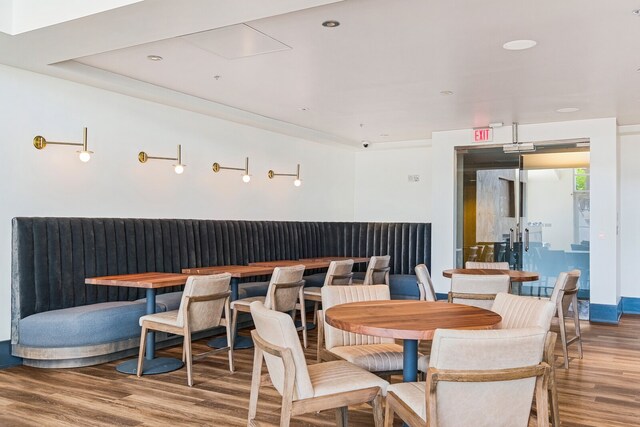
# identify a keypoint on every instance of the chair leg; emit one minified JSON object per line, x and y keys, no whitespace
{"x":303,"y":322}
{"x":188,"y":358}
{"x":143,"y":345}
{"x":255,"y":385}
{"x":230,"y":336}
{"x":388,"y":416}
{"x":315,"y":312}
{"x":576,"y":320}
{"x":563,"y":336}
{"x":378,"y":412}
{"x":234,"y":322}
{"x":342,"y":417}
{"x":553,"y":399}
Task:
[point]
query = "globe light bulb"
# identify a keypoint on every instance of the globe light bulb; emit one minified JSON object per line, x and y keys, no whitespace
{"x":246,"y":178}
{"x":84,"y":156}
{"x":297,"y":183}
{"x":179,"y":169}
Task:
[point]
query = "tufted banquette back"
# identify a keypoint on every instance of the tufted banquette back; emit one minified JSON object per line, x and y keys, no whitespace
{"x":51,"y":257}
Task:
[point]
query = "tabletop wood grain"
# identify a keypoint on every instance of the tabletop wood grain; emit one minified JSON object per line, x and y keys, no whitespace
{"x":408,"y":319}
{"x":515,"y":275}
{"x":140,"y":280}
{"x":356,"y":260}
{"x":239,"y":271}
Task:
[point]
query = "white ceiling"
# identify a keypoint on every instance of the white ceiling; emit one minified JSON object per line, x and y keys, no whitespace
{"x":384,"y":67}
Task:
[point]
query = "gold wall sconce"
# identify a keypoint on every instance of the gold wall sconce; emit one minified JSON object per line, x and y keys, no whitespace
{"x":297,"y":182}
{"x":178,"y":167}
{"x":85,"y":155}
{"x":245,"y":176}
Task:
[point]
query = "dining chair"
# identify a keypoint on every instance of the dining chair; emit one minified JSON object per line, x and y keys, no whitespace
{"x":565,"y":296}
{"x":204,"y":299}
{"x":375,"y":354}
{"x":476,"y":378}
{"x":338,"y":273}
{"x":487,"y":265}
{"x":377,"y":271}
{"x":304,"y":389}
{"x":425,"y":285}
{"x":473,"y":253}
{"x":477,"y":290}
{"x":285,"y":293}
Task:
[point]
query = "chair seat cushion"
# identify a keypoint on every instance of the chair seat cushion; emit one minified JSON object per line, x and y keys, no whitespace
{"x":423,"y":363}
{"x":314,"y":279}
{"x":340,"y":376}
{"x":166,"y":318}
{"x":246,"y":301}
{"x":413,"y":394}
{"x":253,"y":289}
{"x":372,"y":357}
{"x":83,"y":325}
{"x":313,"y":291}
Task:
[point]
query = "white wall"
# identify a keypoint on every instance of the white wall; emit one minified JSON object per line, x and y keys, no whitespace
{"x":629,"y":209}
{"x":53,"y":182}
{"x":604,"y":200}
{"x":383,"y":191}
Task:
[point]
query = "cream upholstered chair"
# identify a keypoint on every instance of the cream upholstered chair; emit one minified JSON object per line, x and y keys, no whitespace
{"x":285,"y":294}
{"x":425,"y":286}
{"x":331,"y":385}
{"x":477,"y":290}
{"x":564,"y":296}
{"x":204,"y":299}
{"x":487,"y":265}
{"x":377,"y":271}
{"x":339,"y":273}
{"x":375,"y":354}
{"x":476,"y":378}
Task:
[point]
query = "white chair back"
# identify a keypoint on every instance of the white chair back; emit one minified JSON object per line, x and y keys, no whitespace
{"x":496,"y":403}
{"x":478,"y":285}
{"x":284,"y":298}
{"x":339,"y":273}
{"x":278,"y":329}
{"x":425,"y":286}
{"x":335,"y":295}
{"x":203,"y":314}
{"x":377,"y":271}
{"x":523,"y":312}
{"x":566,"y":283}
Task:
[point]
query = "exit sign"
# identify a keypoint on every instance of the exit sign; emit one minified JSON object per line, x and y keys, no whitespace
{"x":483,"y":135}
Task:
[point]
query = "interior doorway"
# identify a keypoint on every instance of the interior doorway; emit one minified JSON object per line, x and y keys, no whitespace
{"x":528,"y":208}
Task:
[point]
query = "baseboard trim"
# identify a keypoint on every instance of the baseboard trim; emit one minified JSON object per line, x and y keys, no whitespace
{"x":6,"y":359}
{"x":630,"y":305}
{"x":605,"y":313}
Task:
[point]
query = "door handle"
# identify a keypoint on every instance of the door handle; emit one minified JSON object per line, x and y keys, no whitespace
{"x":526,"y":240}
{"x":511,"y":238}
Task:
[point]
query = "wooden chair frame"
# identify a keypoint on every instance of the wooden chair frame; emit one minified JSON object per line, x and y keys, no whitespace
{"x":385,"y":270}
{"x":185,"y":331}
{"x":573,"y":293}
{"x":290,"y":407}
{"x":274,"y":289}
{"x":434,"y":376}
{"x":463,"y":295}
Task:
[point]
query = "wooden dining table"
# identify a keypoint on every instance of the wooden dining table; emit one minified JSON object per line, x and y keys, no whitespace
{"x":151,"y":282}
{"x":409,"y":321}
{"x":514,"y":275}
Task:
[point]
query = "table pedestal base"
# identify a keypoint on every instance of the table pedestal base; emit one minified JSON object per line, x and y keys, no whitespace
{"x":409,"y":360}
{"x":159,"y":365}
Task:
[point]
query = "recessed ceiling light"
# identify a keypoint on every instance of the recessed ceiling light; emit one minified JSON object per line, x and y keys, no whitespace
{"x":330,"y":24}
{"x":636,"y":12}
{"x":154,"y":58}
{"x":446,"y":92}
{"x":304,"y":109}
{"x":519,"y":44}
{"x":217,"y":77}
{"x":384,"y":135}
{"x":567,"y":110}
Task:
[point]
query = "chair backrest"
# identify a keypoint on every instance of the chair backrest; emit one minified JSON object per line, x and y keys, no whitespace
{"x":487,"y":265}
{"x":523,"y":312}
{"x":493,"y":403}
{"x":339,"y":273}
{"x":335,"y":295}
{"x":566,"y":284}
{"x":377,"y":271}
{"x":477,"y":290}
{"x":207,"y":313}
{"x":284,"y":288}
{"x":278,"y":330}
{"x":425,"y":286}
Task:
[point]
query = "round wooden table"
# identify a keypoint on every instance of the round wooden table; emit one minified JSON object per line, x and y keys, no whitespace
{"x":515,"y":275}
{"x":408,"y":320}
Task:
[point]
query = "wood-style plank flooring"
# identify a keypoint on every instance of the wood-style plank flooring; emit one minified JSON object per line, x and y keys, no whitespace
{"x":603,"y":389}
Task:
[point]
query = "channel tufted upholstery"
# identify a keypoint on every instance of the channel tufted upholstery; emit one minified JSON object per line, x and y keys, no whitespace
{"x":51,"y":257}
{"x":523,"y":312}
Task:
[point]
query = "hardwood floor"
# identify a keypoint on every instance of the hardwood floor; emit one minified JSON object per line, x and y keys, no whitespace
{"x":603,"y":389}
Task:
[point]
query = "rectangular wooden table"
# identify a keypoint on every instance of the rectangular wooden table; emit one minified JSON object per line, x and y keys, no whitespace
{"x":150,"y":282}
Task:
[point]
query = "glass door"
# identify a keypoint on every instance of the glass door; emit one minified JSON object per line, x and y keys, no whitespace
{"x":530,"y":209}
